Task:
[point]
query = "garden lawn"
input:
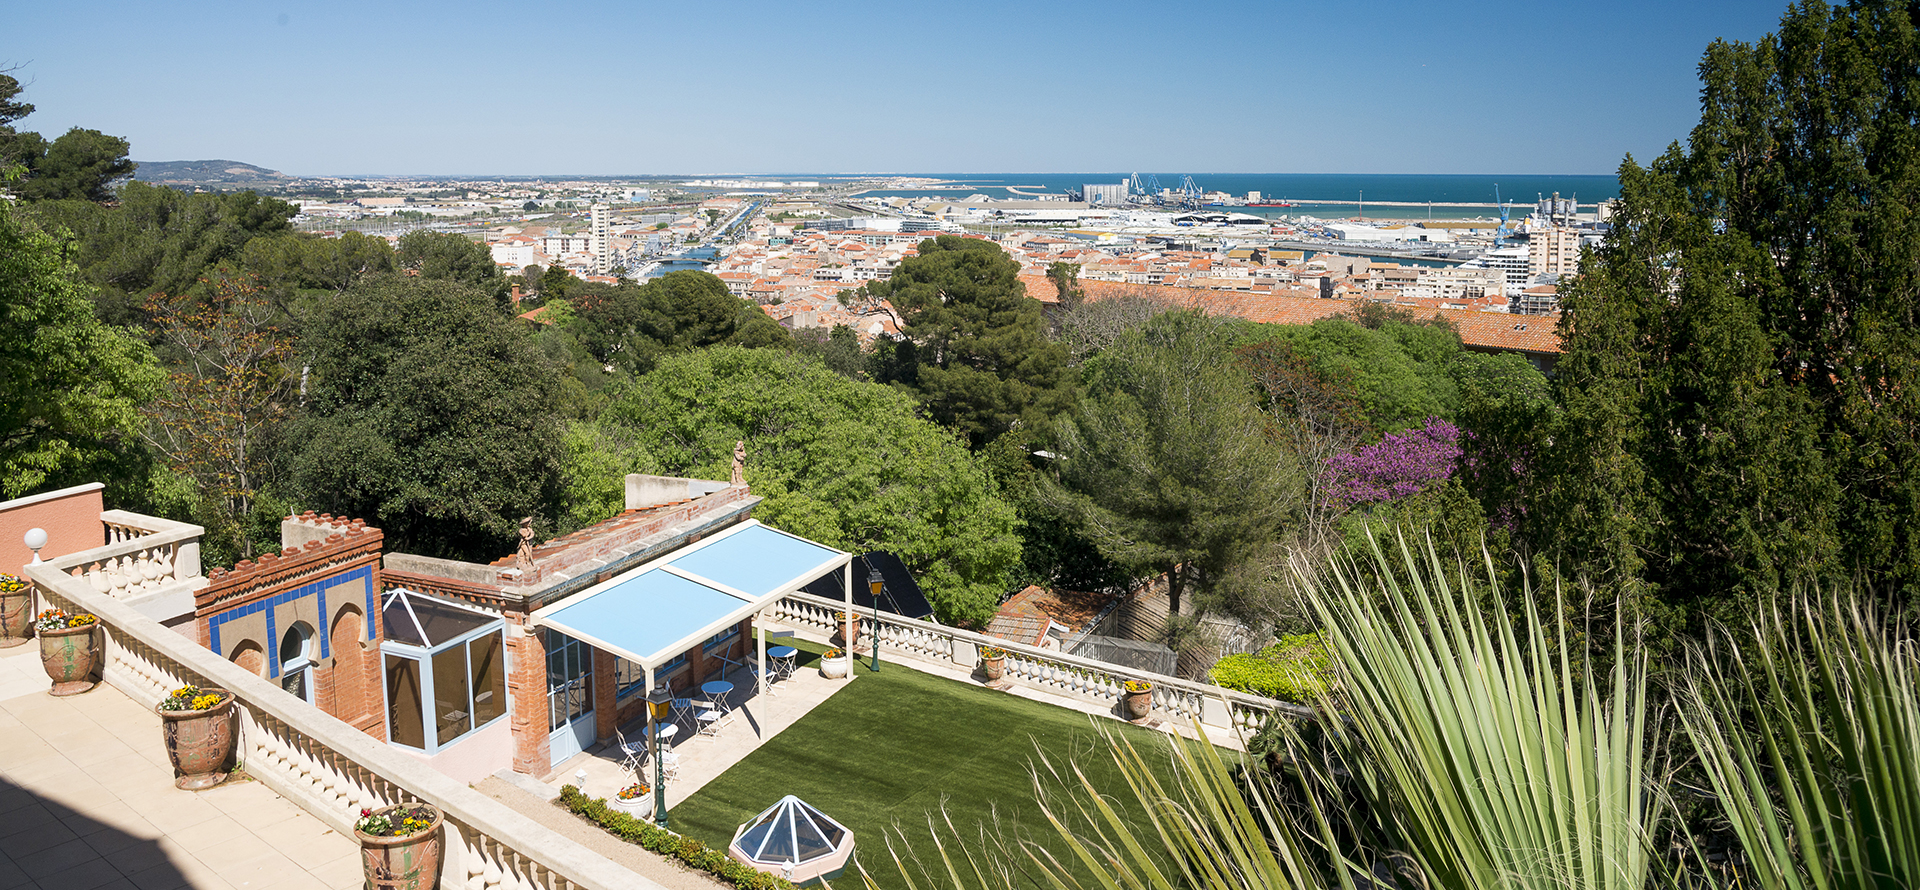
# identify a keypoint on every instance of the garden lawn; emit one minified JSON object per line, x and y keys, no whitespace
{"x":896,"y":746}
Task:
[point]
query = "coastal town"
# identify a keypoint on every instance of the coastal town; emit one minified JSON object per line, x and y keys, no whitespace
{"x":801,"y":249}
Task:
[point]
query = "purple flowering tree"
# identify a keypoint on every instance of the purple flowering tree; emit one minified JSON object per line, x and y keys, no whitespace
{"x":1397,"y":466}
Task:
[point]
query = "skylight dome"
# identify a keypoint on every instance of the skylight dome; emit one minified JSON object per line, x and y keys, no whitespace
{"x":795,"y":841}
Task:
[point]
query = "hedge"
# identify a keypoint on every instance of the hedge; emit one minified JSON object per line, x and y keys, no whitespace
{"x":1295,"y":669}
{"x":659,"y":840}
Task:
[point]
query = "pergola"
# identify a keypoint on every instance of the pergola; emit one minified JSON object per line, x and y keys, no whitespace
{"x":653,"y":613}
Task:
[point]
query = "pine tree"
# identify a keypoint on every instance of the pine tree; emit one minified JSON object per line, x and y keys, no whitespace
{"x":1742,"y":369}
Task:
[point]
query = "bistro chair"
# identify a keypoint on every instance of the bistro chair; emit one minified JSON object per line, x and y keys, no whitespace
{"x":708,"y":715}
{"x":633,"y":755}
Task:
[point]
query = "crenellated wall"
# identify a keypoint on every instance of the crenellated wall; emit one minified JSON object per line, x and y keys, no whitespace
{"x":326,"y":584}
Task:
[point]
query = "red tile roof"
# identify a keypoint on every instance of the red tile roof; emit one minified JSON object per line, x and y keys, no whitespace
{"x":1483,"y":330}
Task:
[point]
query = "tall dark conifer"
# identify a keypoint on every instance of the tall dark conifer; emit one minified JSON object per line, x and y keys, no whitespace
{"x":1742,"y":377}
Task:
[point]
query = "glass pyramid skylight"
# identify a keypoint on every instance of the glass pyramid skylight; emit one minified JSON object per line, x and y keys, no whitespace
{"x":791,"y":831}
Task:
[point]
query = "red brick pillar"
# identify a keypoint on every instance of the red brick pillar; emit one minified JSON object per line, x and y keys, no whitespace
{"x":605,"y":716}
{"x":527,"y":690}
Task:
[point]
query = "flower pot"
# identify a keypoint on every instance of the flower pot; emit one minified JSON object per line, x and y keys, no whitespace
{"x":834,"y":668}
{"x":16,"y":617}
{"x":402,"y":863}
{"x":1139,"y":704}
{"x":639,"y":807}
{"x":995,"y":667}
{"x":849,"y":632}
{"x":200,"y":743}
{"x":69,"y":656}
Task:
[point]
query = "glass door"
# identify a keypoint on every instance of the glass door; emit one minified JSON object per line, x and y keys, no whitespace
{"x":569,"y":695}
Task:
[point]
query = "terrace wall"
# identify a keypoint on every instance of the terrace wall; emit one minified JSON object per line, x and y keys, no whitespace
{"x":319,"y":763}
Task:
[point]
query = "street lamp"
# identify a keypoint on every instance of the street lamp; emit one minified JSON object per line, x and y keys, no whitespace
{"x":657,"y":700}
{"x":875,"y":584}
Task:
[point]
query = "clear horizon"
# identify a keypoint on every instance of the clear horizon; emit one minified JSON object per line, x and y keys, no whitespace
{"x":1381,"y":88}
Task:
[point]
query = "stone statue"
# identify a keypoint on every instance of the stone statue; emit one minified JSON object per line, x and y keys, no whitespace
{"x":739,"y":462}
{"x":524,"y":556}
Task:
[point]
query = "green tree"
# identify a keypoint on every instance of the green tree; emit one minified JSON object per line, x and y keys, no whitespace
{"x":453,"y":258}
{"x":985,"y":360}
{"x":631,"y":326}
{"x":429,"y":414}
{"x":82,"y":164}
{"x":556,"y":282}
{"x":1742,"y":366}
{"x":70,"y":387}
{"x":838,"y":349}
{"x":1169,"y":465}
{"x":846,"y":463}
{"x":159,"y":240}
{"x":225,"y":397}
{"x":12,"y":151}
{"x":1066,"y":284}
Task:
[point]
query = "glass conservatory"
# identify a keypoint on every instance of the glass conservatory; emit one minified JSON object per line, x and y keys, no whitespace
{"x":444,"y":666}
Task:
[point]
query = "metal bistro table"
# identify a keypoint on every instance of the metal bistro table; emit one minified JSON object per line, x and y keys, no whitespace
{"x":717,"y":689}
{"x":783,"y":661}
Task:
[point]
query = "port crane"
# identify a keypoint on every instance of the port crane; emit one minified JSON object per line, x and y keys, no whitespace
{"x":1147,"y":189}
{"x":1189,"y":192}
{"x":1500,"y":234}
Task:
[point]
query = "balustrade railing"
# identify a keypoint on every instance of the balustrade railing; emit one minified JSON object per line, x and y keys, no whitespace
{"x":325,"y":766}
{"x":143,"y":556}
{"x":1049,"y":670}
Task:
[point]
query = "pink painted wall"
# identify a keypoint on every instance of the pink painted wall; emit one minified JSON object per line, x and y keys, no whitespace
{"x":475,"y":757}
{"x":71,"y":517}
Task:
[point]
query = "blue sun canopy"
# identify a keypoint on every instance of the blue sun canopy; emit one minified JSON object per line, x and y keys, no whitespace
{"x":653,"y":613}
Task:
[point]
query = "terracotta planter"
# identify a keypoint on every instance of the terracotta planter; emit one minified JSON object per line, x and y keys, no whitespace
{"x":69,"y":656}
{"x":16,"y":618}
{"x":402,"y":863}
{"x":849,"y":633}
{"x":833,"y":668}
{"x":200,"y":743}
{"x":995,"y":667}
{"x":1139,"y":704}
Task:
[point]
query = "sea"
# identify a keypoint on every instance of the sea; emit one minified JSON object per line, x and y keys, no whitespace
{"x":1326,"y":195}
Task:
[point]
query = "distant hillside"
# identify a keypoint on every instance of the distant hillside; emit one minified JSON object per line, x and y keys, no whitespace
{"x":214,"y":174}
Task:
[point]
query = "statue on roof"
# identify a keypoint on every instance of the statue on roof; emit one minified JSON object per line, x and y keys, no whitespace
{"x":739,"y":462}
{"x":523,"y":557}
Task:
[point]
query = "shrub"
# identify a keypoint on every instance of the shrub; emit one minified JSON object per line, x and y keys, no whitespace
{"x":1295,"y":669}
{"x":667,"y":843}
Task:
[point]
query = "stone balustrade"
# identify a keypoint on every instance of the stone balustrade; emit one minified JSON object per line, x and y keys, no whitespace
{"x":908,"y":641}
{"x":323,"y":765}
{"x":151,"y":562}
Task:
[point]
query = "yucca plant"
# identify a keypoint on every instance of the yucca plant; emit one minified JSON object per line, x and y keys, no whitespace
{"x":1497,"y":760}
{"x":1811,"y":741}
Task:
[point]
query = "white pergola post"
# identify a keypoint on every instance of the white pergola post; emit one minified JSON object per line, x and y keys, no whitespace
{"x":848,"y":569}
{"x":760,"y":637}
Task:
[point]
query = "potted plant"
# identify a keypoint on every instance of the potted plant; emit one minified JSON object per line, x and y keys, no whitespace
{"x":67,"y":650}
{"x":635,"y":800}
{"x":849,"y":629}
{"x":833,"y":665}
{"x":198,"y":728}
{"x":1139,"y":699}
{"x":16,"y":611}
{"x":993,"y":660}
{"x":400,"y":846}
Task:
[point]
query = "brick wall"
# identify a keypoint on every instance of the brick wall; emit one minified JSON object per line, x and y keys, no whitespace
{"x":348,"y":687}
{"x":527,"y":688}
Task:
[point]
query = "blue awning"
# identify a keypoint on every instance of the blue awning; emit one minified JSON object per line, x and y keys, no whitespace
{"x":653,"y":613}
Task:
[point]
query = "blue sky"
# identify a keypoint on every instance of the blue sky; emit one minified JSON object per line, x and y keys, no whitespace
{"x":1360,"y":86}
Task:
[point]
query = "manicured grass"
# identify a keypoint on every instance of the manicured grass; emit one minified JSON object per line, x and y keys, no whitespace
{"x":895,"y":746}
